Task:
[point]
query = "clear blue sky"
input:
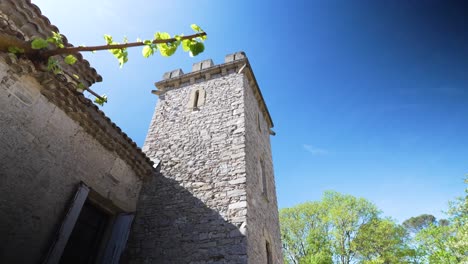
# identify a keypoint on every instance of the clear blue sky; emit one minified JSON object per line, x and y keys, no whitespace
{"x":369,"y":98}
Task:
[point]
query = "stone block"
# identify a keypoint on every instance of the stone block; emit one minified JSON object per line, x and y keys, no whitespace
{"x":235,"y":56}
{"x":205,"y":64}
{"x":173,"y":74}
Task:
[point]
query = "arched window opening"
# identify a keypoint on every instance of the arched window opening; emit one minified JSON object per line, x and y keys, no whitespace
{"x":197,"y":98}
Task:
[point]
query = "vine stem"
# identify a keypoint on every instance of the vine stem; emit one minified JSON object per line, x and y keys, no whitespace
{"x":72,"y":50}
{"x":7,"y":41}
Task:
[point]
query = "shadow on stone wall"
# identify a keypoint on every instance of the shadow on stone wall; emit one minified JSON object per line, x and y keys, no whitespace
{"x":173,"y":226}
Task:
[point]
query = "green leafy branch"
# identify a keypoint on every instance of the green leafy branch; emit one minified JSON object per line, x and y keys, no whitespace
{"x":44,"y":49}
{"x":162,"y":41}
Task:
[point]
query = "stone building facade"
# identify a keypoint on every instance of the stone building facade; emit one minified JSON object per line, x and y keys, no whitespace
{"x":201,"y":191}
{"x":61,"y":159}
{"x":211,"y":133}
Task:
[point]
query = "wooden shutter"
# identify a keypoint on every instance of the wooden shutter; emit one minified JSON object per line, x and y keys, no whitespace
{"x":56,"y":250}
{"x":118,"y":239}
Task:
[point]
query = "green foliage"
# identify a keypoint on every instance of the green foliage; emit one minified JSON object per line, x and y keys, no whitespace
{"x":39,"y":43}
{"x":148,"y":50}
{"x":346,"y":215}
{"x":120,"y":54}
{"x":102,"y":100}
{"x":415,"y":224}
{"x":56,"y":39}
{"x":15,"y":50}
{"x":336,"y":230}
{"x":304,"y":234}
{"x":382,"y":241}
{"x":53,"y":66}
{"x":194,"y":46}
{"x":444,"y":222}
{"x":345,"y":229}
{"x":166,"y":49}
{"x":70,"y":59}
{"x":447,"y":240}
{"x":434,"y":244}
{"x":198,"y":29}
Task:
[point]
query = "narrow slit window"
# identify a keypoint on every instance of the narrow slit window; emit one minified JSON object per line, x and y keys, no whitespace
{"x":264,"y":180}
{"x":268,"y":253}
{"x":258,"y":123}
{"x":195,"y":100}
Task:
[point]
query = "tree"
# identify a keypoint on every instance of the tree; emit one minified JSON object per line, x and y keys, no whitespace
{"x":344,"y":229}
{"x":447,"y":241}
{"x":434,"y":245}
{"x":50,"y":52}
{"x":304,"y":234}
{"x":458,"y":211}
{"x":346,"y":215}
{"x":382,"y":241}
{"x":416,"y":224}
{"x":341,"y":229}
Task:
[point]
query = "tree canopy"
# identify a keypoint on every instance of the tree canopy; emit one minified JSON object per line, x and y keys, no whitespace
{"x":340,"y":229}
{"x":415,"y":224}
{"x":345,"y":229}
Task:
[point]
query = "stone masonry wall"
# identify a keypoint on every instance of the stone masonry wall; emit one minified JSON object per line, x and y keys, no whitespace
{"x":43,"y":156}
{"x":262,"y":210}
{"x":202,"y":152}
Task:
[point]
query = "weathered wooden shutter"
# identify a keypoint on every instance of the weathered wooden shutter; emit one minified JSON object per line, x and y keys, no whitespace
{"x":56,"y":250}
{"x":118,"y":239}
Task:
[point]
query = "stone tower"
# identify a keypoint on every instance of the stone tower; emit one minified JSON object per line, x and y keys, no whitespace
{"x":213,"y":199}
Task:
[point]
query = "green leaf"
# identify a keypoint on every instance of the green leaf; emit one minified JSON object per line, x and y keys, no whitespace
{"x":162,"y":35}
{"x":53,"y":66}
{"x":81,"y":86}
{"x":70,"y":59}
{"x":108,"y":39}
{"x":56,"y":39}
{"x":15,"y":50}
{"x":166,"y":49}
{"x":196,"y":28}
{"x":120,"y":54}
{"x":76,"y":76}
{"x":101,"y":101}
{"x":186,"y":44}
{"x":39,"y":43}
{"x":147,"y":51}
{"x":196,"y":48}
